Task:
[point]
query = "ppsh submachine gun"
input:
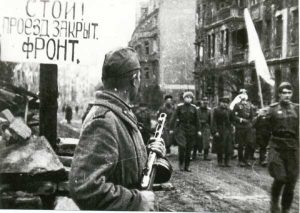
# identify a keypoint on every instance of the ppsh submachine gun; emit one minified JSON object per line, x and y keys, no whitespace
{"x":157,"y":169}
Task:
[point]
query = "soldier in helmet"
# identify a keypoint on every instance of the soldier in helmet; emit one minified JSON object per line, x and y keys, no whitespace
{"x":186,"y":119}
{"x":282,"y":120}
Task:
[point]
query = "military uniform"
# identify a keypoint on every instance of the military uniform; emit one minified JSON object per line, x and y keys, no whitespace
{"x":283,"y":124}
{"x":204,"y":140}
{"x":144,"y":118}
{"x":243,"y":116}
{"x":186,"y":119}
{"x":169,"y":110}
{"x":102,"y":177}
{"x":262,"y":136}
{"x":222,"y":121}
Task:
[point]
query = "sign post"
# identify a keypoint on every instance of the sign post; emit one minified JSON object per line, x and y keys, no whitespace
{"x":49,"y":32}
{"x":48,"y":102}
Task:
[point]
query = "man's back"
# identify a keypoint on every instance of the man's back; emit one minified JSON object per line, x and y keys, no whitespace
{"x":109,"y":158}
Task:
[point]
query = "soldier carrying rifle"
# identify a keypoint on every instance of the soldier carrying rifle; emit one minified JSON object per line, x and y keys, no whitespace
{"x":108,"y":162}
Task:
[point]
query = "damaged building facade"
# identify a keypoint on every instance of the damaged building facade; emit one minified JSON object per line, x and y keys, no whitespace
{"x":221,"y":64}
{"x":163,"y":38}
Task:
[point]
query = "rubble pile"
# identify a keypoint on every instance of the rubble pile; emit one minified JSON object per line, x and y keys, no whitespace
{"x":31,"y":174}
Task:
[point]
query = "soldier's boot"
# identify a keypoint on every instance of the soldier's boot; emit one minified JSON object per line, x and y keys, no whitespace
{"x":227,"y":160}
{"x":194,"y":155}
{"x":220,"y":160}
{"x":181,"y":166}
{"x":275,"y":194}
{"x":242,"y":164}
{"x":205,"y":157}
{"x":247,"y":156}
{"x":287,"y":197}
{"x":181,"y":153}
{"x":187,"y":166}
{"x":274,"y":207}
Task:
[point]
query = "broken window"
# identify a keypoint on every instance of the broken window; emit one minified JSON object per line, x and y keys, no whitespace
{"x":224,"y":45}
{"x":268,"y":34}
{"x":213,"y":42}
{"x":203,"y":11}
{"x":295,"y":27}
{"x":222,"y":42}
{"x":208,"y":46}
{"x":226,"y":42}
{"x":278,"y":39}
{"x":147,"y":49}
{"x":240,"y":39}
{"x":146,"y":70}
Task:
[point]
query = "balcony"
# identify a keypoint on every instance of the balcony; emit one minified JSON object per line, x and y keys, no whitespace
{"x":223,"y":14}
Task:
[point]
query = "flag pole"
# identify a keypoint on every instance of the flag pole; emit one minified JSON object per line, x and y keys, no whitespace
{"x":256,"y":55}
{"x":259,"y":91}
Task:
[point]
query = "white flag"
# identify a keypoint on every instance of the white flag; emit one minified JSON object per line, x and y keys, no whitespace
{"x":255,"y":51}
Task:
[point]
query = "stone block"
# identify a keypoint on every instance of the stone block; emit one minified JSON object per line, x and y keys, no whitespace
{"x":31,"y":158}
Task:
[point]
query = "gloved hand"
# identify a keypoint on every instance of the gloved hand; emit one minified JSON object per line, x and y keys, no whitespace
{"x":157,"y":146}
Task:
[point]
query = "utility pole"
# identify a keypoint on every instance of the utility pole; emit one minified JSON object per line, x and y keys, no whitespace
{"x":48,"y":102}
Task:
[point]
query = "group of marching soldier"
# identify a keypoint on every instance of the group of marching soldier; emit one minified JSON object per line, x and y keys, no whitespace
{"x":197,"y":127}
{"x":237,"y":124}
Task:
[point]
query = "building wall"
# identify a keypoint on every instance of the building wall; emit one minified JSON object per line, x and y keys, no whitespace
{"x":177,"y":34}
{"x":277,"y":27}
{"x":168,"y":27}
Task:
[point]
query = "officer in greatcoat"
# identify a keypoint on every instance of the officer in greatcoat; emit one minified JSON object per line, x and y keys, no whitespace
{"x":205,"y":121}
{"x":186,"y":121}
{"x":222,"y":131}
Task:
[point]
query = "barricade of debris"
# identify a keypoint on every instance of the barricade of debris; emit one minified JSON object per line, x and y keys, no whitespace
{"x":30,"y":170}
{"x":32,"y":174}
